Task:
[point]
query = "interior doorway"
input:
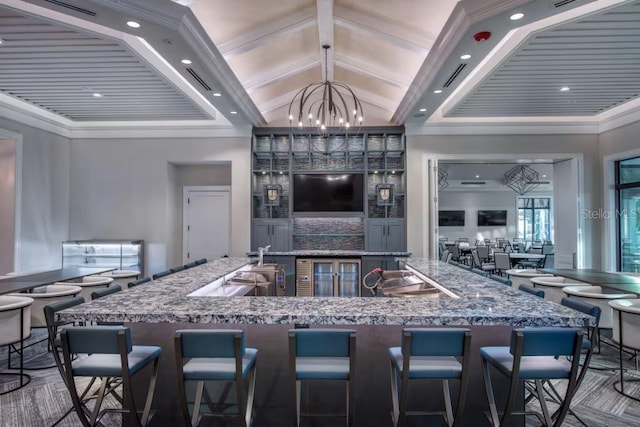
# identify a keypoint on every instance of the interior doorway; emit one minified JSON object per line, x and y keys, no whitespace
{"x":206,"y":223}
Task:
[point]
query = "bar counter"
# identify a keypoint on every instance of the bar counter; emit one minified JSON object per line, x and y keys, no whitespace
{"x":482,"y":302}
{"x":155,"y":310}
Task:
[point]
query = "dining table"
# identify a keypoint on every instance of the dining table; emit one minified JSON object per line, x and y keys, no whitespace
{"x":29,"y":281}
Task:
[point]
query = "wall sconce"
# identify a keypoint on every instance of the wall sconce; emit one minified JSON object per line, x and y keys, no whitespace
{"x":272,"y":194}
{"x":384,"y":195}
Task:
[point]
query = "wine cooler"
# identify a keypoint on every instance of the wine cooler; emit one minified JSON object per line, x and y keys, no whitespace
{"x":327,"y":277}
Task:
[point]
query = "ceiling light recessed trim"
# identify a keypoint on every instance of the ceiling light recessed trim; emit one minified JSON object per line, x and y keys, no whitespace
{"x":517,"y":16}
{"x":422,"y":110}
{"x":186,"y":61}
{"x":133,"y":24}
{"x":565,"y":89}
{"x":465,"y":56}
{"x":217,"y":94}
{"x":97,"y":95}
{"x":437,"y":91}
{"x":233,"y":112}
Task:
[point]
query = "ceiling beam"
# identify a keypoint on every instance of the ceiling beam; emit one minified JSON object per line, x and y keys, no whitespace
{"x":325,"y":37}
{"x":277,"y":74}
{"x":267,"y":33}
{"x":367,"y":69}
{"x":383,"y":30}
{"x":277,"y":102}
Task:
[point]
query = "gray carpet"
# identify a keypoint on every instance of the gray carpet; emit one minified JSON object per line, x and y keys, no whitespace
{"x":45,"y":399}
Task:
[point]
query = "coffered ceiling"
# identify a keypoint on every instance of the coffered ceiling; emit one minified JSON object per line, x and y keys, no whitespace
{"x":78,"y":63}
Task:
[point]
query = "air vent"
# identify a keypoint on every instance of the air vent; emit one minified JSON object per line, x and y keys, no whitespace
{"x":544,"y":182}
{"x":472,"y":182}
{"x":454,"y":75}
{"x":72,"y":7}
{"x":562,"y":3}
{"x":199,"y":79}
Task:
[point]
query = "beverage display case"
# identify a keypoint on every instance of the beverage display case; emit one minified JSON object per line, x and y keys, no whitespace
{"x":119,"y":254}
{"x":328,"y":277}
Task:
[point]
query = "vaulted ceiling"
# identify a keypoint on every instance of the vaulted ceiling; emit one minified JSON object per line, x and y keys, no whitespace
{"x":410,"y":62}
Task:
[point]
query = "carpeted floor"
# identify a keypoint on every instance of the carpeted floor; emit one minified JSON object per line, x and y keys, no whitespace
{"x":45,"y":398}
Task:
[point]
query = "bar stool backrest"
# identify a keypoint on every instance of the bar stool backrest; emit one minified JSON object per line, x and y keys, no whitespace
{"x":139,"y":282}
{"x":201,"y":261}
{"x":322,"y":342}
{"x":103,"y":293}
{"x":546,"y":341}
{"x":177,"y":269}
{"x":210,"y":343}
{"x":531,"y":290}
{"x":436,"y":341}
{"x":96,"y":339}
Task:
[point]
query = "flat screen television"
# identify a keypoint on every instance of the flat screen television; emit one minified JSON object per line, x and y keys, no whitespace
{"x":492,"y":218}
{"x":328,"y":192}
{"x":451,"y":218}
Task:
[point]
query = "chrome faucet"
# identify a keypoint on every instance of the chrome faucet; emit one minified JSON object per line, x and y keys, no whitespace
{"x":261,"y":252}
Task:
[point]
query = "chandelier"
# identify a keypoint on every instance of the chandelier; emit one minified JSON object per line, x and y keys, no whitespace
{"x":442,"y":179}
{"x":521,"y":179}
{"x":330,"y":106}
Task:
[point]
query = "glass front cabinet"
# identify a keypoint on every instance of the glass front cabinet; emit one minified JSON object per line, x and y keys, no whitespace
{"x":118,"y":254}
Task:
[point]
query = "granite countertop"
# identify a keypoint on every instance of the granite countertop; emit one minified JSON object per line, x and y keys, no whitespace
{"x":482,"y":302}
{"x":330,"y":253}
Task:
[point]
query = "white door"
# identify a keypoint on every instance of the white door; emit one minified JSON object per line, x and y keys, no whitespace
{"x":206,"y":224}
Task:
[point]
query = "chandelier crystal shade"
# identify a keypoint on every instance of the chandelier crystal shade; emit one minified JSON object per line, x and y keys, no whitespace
{"x":329,"y":106}
{"x":521,"y":179}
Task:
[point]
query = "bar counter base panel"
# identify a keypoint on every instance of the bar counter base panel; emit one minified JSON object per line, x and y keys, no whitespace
{"x":373,"y":390}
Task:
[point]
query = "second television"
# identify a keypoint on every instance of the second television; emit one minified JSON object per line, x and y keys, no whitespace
{"x":492,"y":218}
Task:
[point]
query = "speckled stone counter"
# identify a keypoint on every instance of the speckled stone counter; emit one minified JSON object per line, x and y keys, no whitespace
{"x":482,"y":302}
{"x":330,"y":254}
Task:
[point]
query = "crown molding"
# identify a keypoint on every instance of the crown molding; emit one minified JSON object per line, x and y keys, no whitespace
{"x":30,"y":115}
{"x":158,"y":130}
{"x":502,"y":128}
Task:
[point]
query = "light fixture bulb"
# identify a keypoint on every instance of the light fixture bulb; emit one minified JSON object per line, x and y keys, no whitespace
{"x":465,"y":56}
{"x":347,"y":125}
{"x":299,"y":124}
{"x":437,"y":91}
{"x":217,"y":94}
{"x":317,"y":122}
{"x":422,"y":110}
{"x":97,"y":95}
{"x":133,"y":24}
{"x":341,"y":120}
{"x":516,"y":16}
{"x":355,"y":112}
{"x":186,"y":61}
{"x":290,"y":117}
{"x":360,"y":119}
{"x":322,"y":127}
{"x":565,"y":89}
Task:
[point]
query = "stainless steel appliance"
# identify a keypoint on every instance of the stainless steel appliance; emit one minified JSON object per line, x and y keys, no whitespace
{"x":323,"y":277}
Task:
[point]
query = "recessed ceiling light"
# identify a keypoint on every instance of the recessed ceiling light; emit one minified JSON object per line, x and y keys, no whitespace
{"x":97,"y":95}
{"x":565,"y":89}
{"x":544,"y":176}
{"x":422,"y":110}
{"x":233,"y":112}
{"x":465,"y":56}
{"x":1,"y":40}
{"x":437,"y":91}
{"x":217,"y":94}
{"x":477,"y":176}
{"x":186,"y":61}
{"x":133,"y":24}
{"x":516,"y":16}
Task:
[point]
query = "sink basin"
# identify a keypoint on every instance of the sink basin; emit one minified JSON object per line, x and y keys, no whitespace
{"x":411,"y":289}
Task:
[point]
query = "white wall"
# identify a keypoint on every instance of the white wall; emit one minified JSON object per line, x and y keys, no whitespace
{"x":7,"y":206}
{"x":471,"y":203}
{"x":188,"y":175}
{"x":126,"y":189}
{"x":420,"y":147}
{"x":44,"y":196}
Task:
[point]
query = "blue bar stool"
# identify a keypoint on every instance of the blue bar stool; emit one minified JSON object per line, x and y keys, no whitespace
{"x":322,"y":354}
{"x":215,"y":355}
{"x":532,"y":355}
{"x":110,"y":355}
{"x":430,"y":354}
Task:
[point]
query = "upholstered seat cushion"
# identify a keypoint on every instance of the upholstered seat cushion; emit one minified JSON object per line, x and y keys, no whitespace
{"x":218,"y":368}
{"x":531,"y":367}
{"x":427,"y":366}
{"x":108,"y":365}
{"x":322,"y":368}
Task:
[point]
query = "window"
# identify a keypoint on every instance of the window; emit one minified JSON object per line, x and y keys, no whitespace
{"x":628,"y":214}
{"x":534,"y":218}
